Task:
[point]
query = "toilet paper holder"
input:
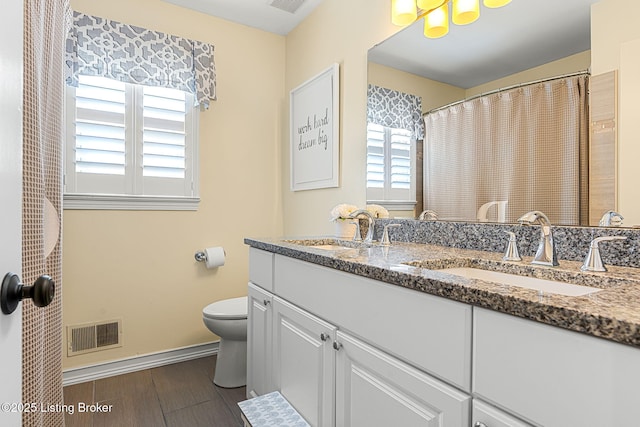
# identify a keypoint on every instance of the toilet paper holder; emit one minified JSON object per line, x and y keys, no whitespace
{"x":200,"y":256}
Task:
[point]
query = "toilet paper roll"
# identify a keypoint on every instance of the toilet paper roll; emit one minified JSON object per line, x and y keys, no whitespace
{"x":215,"y":257}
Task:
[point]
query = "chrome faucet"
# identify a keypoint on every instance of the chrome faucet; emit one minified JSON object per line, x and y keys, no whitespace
{"x":593,"y":261}
{"x":611,"y":219}
{"x":428,"y":215}
{"x":371,"y":221}
{"x":546,"y":253}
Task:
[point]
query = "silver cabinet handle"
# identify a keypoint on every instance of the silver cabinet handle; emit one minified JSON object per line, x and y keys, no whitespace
{"x":266,"y":302}
{"x":479,"y":424}
{"x":337,"y":346}
{"x":324,"y":337}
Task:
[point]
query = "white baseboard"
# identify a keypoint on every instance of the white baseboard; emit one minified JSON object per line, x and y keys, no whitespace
{"x":137,"y":363}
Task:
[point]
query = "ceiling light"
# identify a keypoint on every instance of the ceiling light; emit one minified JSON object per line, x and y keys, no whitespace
{"x":403,"y":12}
{"x":436,"y":13}
{"x":436,"y":23}
{"x":496,"y":3}
{"x":465,"y":11}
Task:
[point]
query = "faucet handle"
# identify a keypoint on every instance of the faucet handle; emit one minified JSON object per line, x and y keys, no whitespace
{"x":385,"y":235}
{"x":357,"y":236}
{"x":511,"y":254}
{"x":593,"y":260}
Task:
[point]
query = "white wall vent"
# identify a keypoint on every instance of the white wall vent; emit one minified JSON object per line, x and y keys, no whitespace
{"x":287,"y":5}
{"x":89,"y":337}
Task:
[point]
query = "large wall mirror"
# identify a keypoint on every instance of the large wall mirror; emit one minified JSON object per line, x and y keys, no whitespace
{"x":520,"y":43}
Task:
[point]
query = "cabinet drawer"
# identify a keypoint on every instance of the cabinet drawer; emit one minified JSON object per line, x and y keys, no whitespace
{"x":429,"y":332}
{"x":261,"y":268}
{"x":554,"y":377}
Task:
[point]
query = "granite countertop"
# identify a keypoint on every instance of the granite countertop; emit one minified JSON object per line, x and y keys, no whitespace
{"x":612,"y":313}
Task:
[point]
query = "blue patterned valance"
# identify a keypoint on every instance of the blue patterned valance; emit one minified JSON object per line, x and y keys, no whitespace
{"x":101,"y":47}
{"x":390,"y":108}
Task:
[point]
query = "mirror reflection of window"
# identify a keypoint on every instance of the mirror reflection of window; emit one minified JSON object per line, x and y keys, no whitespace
{"x":390,"y":165}
{"x":394,"y":125}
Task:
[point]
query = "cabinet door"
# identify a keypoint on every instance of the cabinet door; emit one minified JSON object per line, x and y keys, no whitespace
{"x":304,"y":362}
{"x":259,"y":341}
{"x":485,"y":415}
{"x":375,"y":389}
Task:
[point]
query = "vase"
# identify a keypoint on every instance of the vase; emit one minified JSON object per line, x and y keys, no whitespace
{"x":344,"y":229}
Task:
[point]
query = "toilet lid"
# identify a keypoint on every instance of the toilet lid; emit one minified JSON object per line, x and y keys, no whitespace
{"x":233,"y":308}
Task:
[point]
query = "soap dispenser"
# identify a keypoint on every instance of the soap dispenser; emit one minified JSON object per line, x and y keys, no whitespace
{"x":511,"y":254}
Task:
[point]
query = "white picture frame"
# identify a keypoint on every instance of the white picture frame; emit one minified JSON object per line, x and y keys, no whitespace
{"x":314,"y":131}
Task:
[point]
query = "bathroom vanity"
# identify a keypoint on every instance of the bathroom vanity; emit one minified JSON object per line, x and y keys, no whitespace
{"x":364,"y":335}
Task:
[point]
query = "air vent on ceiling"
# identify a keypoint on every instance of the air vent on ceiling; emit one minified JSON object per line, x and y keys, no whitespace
{"x":287,"y":5}
{"x":90,"y":337}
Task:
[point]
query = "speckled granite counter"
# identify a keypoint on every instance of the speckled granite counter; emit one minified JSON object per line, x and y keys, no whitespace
{"x":612,"y":313}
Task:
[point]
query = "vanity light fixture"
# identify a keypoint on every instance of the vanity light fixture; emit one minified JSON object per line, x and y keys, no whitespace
{"x":436,"y":13}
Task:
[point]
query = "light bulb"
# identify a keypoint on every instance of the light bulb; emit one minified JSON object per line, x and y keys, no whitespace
{"x":436,"y":23}
{"x":465,"y":11}
{"x":403,"y":12}
{"x":496,"y":3}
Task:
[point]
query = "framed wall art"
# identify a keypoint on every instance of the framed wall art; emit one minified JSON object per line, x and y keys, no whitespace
{"x":314,"y":121}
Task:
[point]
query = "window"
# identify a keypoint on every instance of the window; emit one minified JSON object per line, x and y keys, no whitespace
{"x":390,"y":167}
{"x":130,"y":147}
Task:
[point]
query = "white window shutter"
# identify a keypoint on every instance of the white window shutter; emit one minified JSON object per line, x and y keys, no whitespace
{"x":390,"y":165}
{"x":130,"y":141}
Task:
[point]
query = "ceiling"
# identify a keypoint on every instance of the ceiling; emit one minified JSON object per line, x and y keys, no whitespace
{"x":504,"y":41}
{"x":274,"y":16}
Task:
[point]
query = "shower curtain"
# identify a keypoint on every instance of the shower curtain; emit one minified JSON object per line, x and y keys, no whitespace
{"x":527,"y":146}
{"x":45,"y":28}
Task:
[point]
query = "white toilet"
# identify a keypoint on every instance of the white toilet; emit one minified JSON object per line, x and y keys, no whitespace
{"x":228,"y":320}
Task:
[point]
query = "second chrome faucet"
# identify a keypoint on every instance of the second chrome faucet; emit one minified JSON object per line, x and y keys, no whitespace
{"x":546,"y":253}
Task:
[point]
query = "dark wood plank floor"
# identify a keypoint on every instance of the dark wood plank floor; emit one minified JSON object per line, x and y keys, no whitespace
{"x":178,"y":395}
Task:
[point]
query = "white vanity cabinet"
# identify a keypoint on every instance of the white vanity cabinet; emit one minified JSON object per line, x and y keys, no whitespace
{"x":350,"y":351}
{"x":347,"y":350}
{"x":554,"y":377}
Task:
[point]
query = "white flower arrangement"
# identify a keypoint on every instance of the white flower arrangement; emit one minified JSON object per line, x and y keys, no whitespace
{"x":377,"y":211}
{"x":342,"y":211}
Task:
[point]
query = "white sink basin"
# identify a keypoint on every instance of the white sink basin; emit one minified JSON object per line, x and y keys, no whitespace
{"x":331,"y":247}
{"x":543,"y":285}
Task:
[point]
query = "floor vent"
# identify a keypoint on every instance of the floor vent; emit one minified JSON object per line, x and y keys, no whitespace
{"x":287,"y":5}
{"x":91,"y":337}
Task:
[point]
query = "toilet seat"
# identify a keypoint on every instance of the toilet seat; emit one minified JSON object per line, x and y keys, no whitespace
{"x":233,"y":308}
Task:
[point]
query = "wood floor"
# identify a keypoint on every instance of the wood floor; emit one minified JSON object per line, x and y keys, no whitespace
{"x":178,"y":395}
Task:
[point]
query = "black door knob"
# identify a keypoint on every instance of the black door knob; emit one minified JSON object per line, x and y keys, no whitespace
{"x":12,"y":292}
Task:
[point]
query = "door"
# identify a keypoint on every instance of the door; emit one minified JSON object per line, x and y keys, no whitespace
{"x":374,"y":389}
{"x":11,"y":202}
{"x":304,"y":362}
{"x":259,"y":329}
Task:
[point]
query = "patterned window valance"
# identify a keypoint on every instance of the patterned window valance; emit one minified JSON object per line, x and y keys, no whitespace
{"x":101,"y":47}
{"x":395,"y":109}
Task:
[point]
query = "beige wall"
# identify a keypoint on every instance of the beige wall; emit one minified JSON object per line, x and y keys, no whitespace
{"x":571,"y":64}
{"x":337,"y":32}
{"x":615,"y":45}
{"x":139,"y":266}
